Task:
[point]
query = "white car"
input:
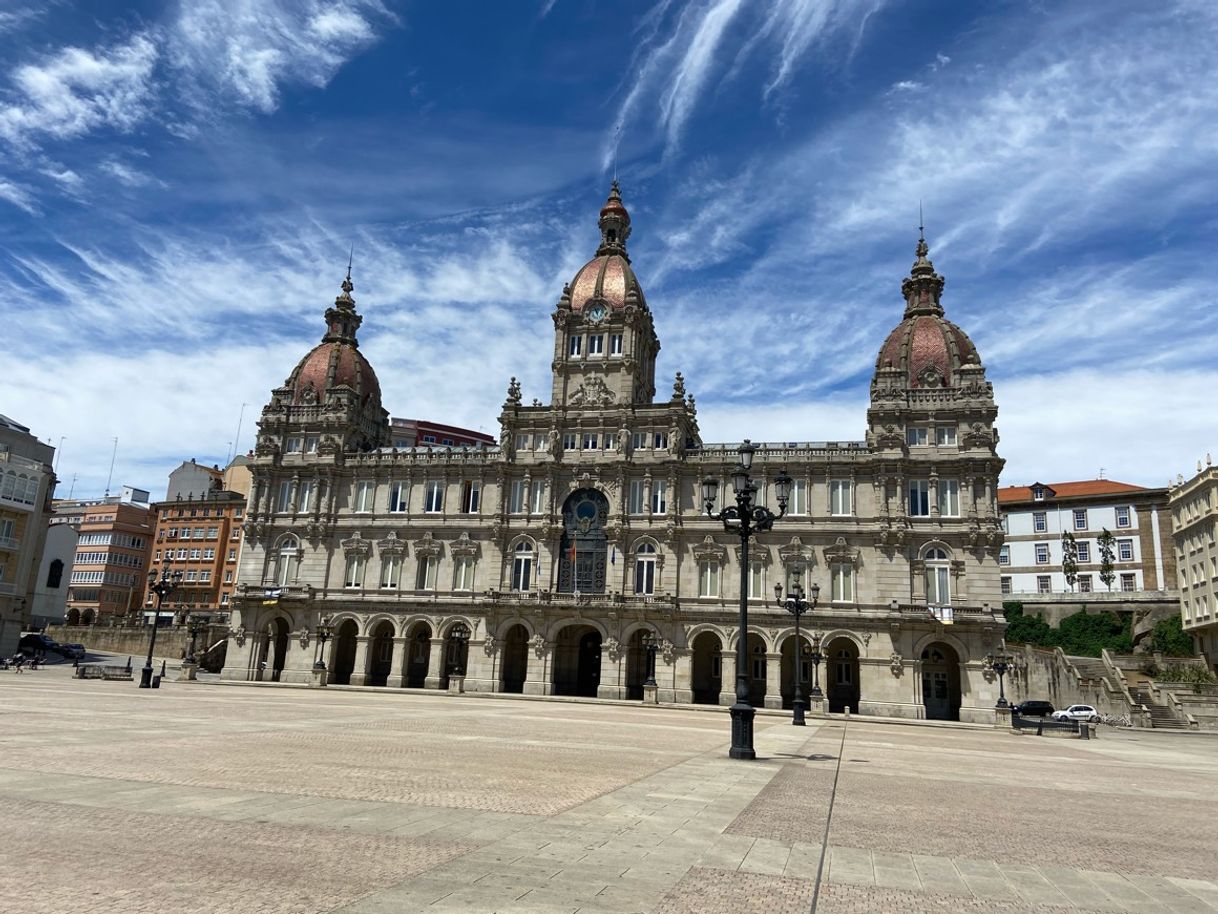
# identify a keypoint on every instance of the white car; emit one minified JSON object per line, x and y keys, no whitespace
{"x":1078,"y":712}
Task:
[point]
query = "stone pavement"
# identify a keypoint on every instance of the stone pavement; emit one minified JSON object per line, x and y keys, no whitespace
{"x":202,"y":797}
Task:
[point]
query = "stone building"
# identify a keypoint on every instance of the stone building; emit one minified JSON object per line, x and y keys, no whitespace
{"x":112,"y":552}
{"x":557,"y":550}
{"x":1194,"y":513}
{"x":27,"y":483}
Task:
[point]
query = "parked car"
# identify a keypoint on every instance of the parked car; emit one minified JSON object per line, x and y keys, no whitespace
{"x":36,"y":643}
{"x":1078,"y":712}
{"x":73,"y":650}
{"x":1033,"y":708}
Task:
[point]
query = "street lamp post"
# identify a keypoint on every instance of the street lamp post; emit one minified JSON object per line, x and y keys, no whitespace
{"x":1000,"y":664}
{"x":816,"y":657}
{"x":162,"y":586}
{"x":460,"y":637}
{"x":650,"y":644}
{"x":324,"y":631}
{"x":196,"y":627}
{"x":745,"y":519}
{"x":796,"y":605}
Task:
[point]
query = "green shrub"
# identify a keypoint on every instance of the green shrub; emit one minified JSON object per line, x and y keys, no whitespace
{"x":1080,"y":635}
{"x":1168,"y":638}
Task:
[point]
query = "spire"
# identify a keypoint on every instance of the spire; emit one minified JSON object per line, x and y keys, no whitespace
{"x":923,"y":286}
{"x":342,"y":321}
{"x":614,"y":223}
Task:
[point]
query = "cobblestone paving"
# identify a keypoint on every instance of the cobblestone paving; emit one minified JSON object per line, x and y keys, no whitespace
{"x":271,"y":800}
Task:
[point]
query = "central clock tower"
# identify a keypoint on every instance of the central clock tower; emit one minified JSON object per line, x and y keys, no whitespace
{"x":605,"y":343}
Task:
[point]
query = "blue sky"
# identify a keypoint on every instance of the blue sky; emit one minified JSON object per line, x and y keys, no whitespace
{"x":180,"y":185}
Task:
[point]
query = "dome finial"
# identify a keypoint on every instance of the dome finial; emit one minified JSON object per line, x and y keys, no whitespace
{"x":614,"y":223}
{"x":922,"y":288}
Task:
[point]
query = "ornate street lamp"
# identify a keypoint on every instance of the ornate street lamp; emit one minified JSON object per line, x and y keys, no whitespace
{"x":651,"y":644}
{"x":324,"y":632}
{"x":816,"y":657}
{"x":196,"y":625}
{"x":745,"y":519}
{"x":162,"y":587}
{"x":796,"y":605}
{"x":1000,"y":664}
{"x":460,"y":637}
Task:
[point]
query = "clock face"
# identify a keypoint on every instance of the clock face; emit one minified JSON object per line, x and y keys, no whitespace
{"x":596,"y":313}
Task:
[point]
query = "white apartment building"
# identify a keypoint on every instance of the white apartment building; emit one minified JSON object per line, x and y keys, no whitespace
{"x":1194,"y":512}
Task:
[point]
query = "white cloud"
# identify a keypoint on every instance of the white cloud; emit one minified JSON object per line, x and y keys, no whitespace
{"x":18,"y":196}
{"x":908,"y":85}
{"x":127,"y":175}
{"x":75,"y":91}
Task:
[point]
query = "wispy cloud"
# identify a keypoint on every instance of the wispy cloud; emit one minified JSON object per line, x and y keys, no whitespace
{"x":18,"y":196}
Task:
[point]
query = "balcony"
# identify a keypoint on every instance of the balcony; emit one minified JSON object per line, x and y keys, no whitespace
{"x":9,"y":544}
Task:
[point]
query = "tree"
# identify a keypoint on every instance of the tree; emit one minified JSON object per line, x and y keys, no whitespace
{"x":1105,"y":541}
{"x":1069,"y":558}
{"x":1169,"y":638}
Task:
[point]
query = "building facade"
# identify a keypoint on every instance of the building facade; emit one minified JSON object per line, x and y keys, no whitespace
{"x":1194,"y":513}
{"x":27,"y":484}
{"x":112,"y":550}
{"x":538,"y":565}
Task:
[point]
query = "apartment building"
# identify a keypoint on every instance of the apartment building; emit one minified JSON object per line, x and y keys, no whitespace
{"x":27,"y":483}
{"x":1194,"y":512}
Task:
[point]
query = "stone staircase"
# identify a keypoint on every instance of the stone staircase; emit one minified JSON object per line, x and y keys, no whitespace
{"x":1161,"y":716}
{"x":1090,"y":667}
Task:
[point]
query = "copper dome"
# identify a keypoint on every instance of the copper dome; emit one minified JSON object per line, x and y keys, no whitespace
{"x":333,"y":364}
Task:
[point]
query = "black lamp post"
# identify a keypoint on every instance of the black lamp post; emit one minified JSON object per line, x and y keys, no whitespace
{"x":816,"y":657}
{"x":196,"y":626}
{"x":745,"y":519}
{"x":460,"y":638}
{"x":324,"y":631}
{"x":162,"y":586}
{"x":1000,"y":664}
{"x":650,"y":644}
{"x":796,"y":605}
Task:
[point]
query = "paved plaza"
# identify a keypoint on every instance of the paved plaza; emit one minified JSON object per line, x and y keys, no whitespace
{"x":261,"y":800}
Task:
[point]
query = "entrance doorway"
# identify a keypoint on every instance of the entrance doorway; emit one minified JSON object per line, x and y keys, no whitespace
{"x":514,"y":659}
{"x":418,"y":657}
{"x":636,"y":666}
{"x":344,"y":653}
{"x":577,"y":661}
{"x":380,"y":655}
{"x":707,"y":672}
{"x":842,"y":675}
{"x":941,"y":682}
{"x":275,"y":651}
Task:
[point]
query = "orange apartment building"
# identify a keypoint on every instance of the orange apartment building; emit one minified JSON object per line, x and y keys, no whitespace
{"x":111,"y":561}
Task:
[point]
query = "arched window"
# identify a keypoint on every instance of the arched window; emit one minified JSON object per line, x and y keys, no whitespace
{"x":645,"y":569}
{"x":938,"y":578}
{"x":55,"y":574}
{"x":522,"y":567}
{"x":286,"y":556}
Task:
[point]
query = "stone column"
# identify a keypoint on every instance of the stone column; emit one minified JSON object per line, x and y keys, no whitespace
{"x":397,"y":666}
{"x":359,"y":675}
{"x":773,"y":681}
{"x":727,"y":684}
{"x":612,"y":671}
{"x":480,"y":668}
{"x":537,"y":673}
{"x":435,"y":665}
{"x":682,"y":672}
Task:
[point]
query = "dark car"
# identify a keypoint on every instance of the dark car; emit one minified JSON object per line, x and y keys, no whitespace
{"x":72,"y":650}
{"x":1033,"y":709}
{"x":33,"y":644}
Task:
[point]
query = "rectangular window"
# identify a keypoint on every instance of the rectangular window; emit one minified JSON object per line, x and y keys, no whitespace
{"x":842,"y":576}
{"x":708,"y":578}
{"x":232,"y":555}
{"x":182,"y":555}
{"x":537,"y":493}
{"x":310,"y":444}
{"x":196,"y":553}
{"x":576,"y":345}
{"x":363,"y":496}
{"x":1128,"y":582}
{"x":1004,"y":555}
{"x":399,"y":494}
{"x":916,"y":436}
{"x":1080,"y":518}
{"x":645,"y":574}
{"x":522,"y":571}
{"x":945,"y":435}
{"x":1044,"y":583}
{"x":1122,"y":517}
{"x":949,"y":497}
{"x":1040,"y":522}
{"x":841,"y":497}
{"x":355,"y":571}
{"x":463,"y":572}
{"x":615,"y":344}
{"x":1084,"y":550}
{"x":919,"y":498}
{"x":1006,"y":584}
{"x":639,"y":440}
{"x":199,"y":533}
{"x":1084,"y":583}
{"x":224,"y":599}
{"x":391,"y":570}
{"x":798,"y":505}
{"x":590,"y":441}
{"x":938,"y":586}
{"x":1042,"y":553}
{"x":434,"y":502}
{"x":524,"y":442}
{"x":228,"y":577}
{"x":757,"y":581}
{"x":596,"y":344}
{"x":291,"y":446}
{"x":470,"y":493}
{"x":659,"y":496}
{"x":634,"y":500}
{"x":661,"y":440}
{"x":1125,"y":550}
{"x":610,"y":441}
{"x":192,"y":575}
{"x":516,"y":497}
{"x":205,"y":577}
{"x":282,"y":504}
{"x":304,"y":496}
{"x":426,"y":576}
{"x":568,"y":441}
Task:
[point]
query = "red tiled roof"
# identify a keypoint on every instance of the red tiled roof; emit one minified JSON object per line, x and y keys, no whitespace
{"x":1013,"y":494}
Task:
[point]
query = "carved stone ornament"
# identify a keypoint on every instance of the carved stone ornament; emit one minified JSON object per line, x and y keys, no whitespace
{"x":841,"y":553}
{"x":427,"y":546}
{"x":490,"y":645}
{"x":238,"y":635}
{"x":896,"y":663}
{"x":795,"y":553}
{"x":463,"y":545}
{"x":757,"y":554}
{"x":668,"y":651}
{"x":356,"y":545}
{"x":329,"y":446}
{"x":304,"y":636}
{"x":539,"y":646}
{"x":391,"y":545}
{"x":613,"y":648}
{"x":890,"y":437}
{"x":593,"y":392}
{"x":978,"y":436}
{"x":709,"y":549}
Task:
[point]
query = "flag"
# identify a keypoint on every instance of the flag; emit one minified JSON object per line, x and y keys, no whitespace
{"x":613,"y":557}
{"x":571,"y":553}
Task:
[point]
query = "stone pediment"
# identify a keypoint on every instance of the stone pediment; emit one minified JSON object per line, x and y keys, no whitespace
{"x":426,"y":546}
{"x":709,"y":549}
{"x":464,"y":546}
{"x":391,"y":545}
{"x":356,"y":545}
{"x":795,"y":552}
